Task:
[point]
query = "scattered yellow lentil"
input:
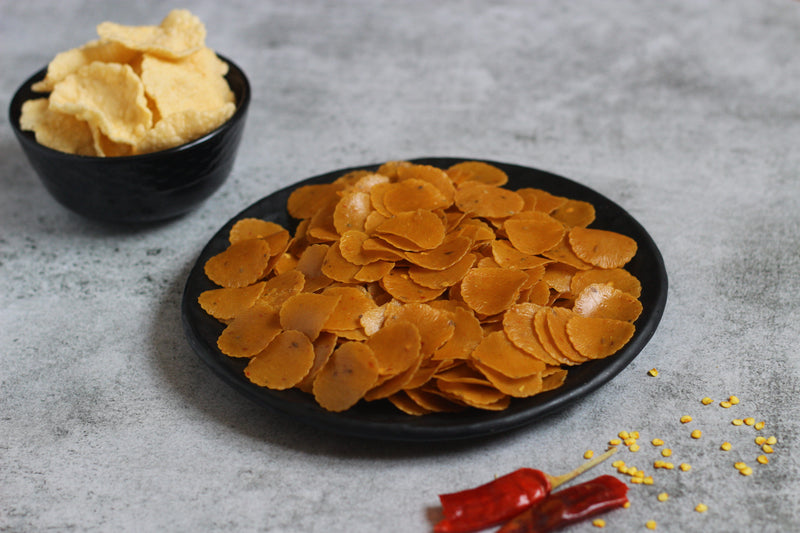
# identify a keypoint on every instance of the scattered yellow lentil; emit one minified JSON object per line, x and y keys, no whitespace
{"x":599,"y":522}
{"x":760,"y":425}
{"x":650,"y":524}
{"x":637,"y":480}
{"x":648,"y":480}
{"x":615,"y":442}
{"x":746,"y":471}
{"x":663,"y":497}
{"x":669,"y":466}
{"x":701,"y":508}
{"x":737,"y":422}
{"x":734,"y":400}
{"x":588,"y":454}
{"x":760,"y":440}
{"x":706,"y":401}
{"x":623,"y":434}
{"x":686,"y":419}
{"x":772,"y":439}
{"x":725,"y":404}
{"x":739,"y":465}
{"x":657,"y":442}
{"x":766,"y":448}
{"x":634,"y":434}
{"x":618,"y":463}
{"x":634,"y":447}
{"x":726,"y":446}
{"x":626,"y":504}
{"x":696,"y":434}
{"x":685,"y":467}
{"x":762,"y":459}
{"x":750,"y":421}
{"x":630,"y":441}
{"x":653,"y":372}
{"x":659,"y":464}
{"x":666,"y":452}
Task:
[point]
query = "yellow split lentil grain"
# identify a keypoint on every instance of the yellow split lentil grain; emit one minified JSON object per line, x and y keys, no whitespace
{"x":634,"y":434}
{"x":657,"y":442}
{"x":726,"y":446}
{"x":653,"y":372}
{"x":634,"y":447}
{"x":626,"y":504}
{"x":739,"y":465}
{"x":599,"y":522}
{"x":663,"y":497}
{"x":615,"y":442}
{"x":772,"y":439}
{"x":760,"y":425}
{"x":725,"y":404}
{"x":701,"y":508}
{"x":630,"y":441}
{"x":637,"y":480}
{"x":766,"y":448}
{"x":618,"y":463}
{"x":659,"y":464}
{"x":650,"y":524}
{"x":696,"y":434}
{"x":750,"y":421}
{"x":588,"y":454}
{"x":648,"y":480}
{"x":685,"y":419}
{"x":669,"y":466}
{"x":734,"y":400}
{"x":746,"y":471}
{"x":760,"y":440}
{"x":762,"y":459}
{"x":706,"y":401}
{"x":623,"y":434}
{"x":666,"y":452}
{"x":685,"y":467}
{"x":737,"y":422}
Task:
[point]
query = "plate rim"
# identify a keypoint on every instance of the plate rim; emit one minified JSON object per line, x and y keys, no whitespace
{"x":363,"y":420}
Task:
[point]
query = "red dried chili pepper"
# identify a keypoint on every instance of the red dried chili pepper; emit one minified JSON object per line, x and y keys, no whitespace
{"x":570,"y":505}
{"x":499,"y":500}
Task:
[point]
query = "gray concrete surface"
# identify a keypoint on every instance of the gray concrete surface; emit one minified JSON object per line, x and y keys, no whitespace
{"x":686,"y":113}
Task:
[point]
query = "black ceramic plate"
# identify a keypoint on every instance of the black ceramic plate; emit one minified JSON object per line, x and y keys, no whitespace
{"x":382,"y":420}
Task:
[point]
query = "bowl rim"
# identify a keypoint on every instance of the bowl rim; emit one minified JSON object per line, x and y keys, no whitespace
{"x":15,"y":111}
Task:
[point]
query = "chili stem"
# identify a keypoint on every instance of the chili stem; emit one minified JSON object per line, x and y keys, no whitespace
{"x":555,"y":481}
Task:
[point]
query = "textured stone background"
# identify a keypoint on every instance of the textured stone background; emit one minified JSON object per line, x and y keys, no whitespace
{"x":686,"y":113}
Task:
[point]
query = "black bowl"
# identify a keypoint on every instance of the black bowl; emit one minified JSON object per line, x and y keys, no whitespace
{"x":141,"y":188}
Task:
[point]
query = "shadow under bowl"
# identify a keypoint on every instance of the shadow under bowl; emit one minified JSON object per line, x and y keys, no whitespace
{"x":142,"y":188}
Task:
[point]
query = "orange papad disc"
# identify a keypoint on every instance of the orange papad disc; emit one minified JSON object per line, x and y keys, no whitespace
{"x":575,"y":213}
{"x":488,"y":201}
{"x":542,"y":200}
{"x":413,"y":230}
{"x":478,"y":171}
{"x":349,"y":373}
{"x":307,"y":200}
{"x":374,"y":271}
{"x":605,"y":301}
{"x":281,"y":287}
{"x":499,"y":353}
{"x":308,"y":312}
{"x":404,"y":403}
{"x":253,"y":228}
{"x":250,"y":331}
{"x":396,"y":347}
{"x":433,"y":401}
{"x":506,"y":256}
{"x":533,"y":232}
{"x":241,"y":264}
{"x":556,"y":320}
{"x":390,"y":168}
{"x":480,"y":396}
{"x":596,"y":338}
{"x":563,"y":253}
{"x":466,"y":337}
{"x":491,"y":290}
{"x":283,"y":363}
{"x":387,"y":386}
{"x":353,"y":303}
{"x":336,"y":267}
{"x":351,"y":212}
{"x":519,"y":328}
{"x":436,"y":326}
{"x":310,"y":264}
{"x":435,"y":176}
{"x":554,"y":380}
{"x":413,"y":194}
{"x":545,"y":339}
{"x":323,"y":348}
{"x":442,"y":279}
{"x":443,"y":256}
{"x":226,"y":303}
{"x":401,"y":286}
{"x":523,"y":387}
{"x":606,"y":249}
{"x":618,"y":278}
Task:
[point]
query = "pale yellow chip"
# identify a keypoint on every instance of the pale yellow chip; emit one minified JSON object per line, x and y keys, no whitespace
{"x":180,"y":128}
{"x":180,"y":34}
{"x":56,"y":130}
{"x":109,"y":96}
{"x":175,"y":87}
{"x":69,"y":61}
